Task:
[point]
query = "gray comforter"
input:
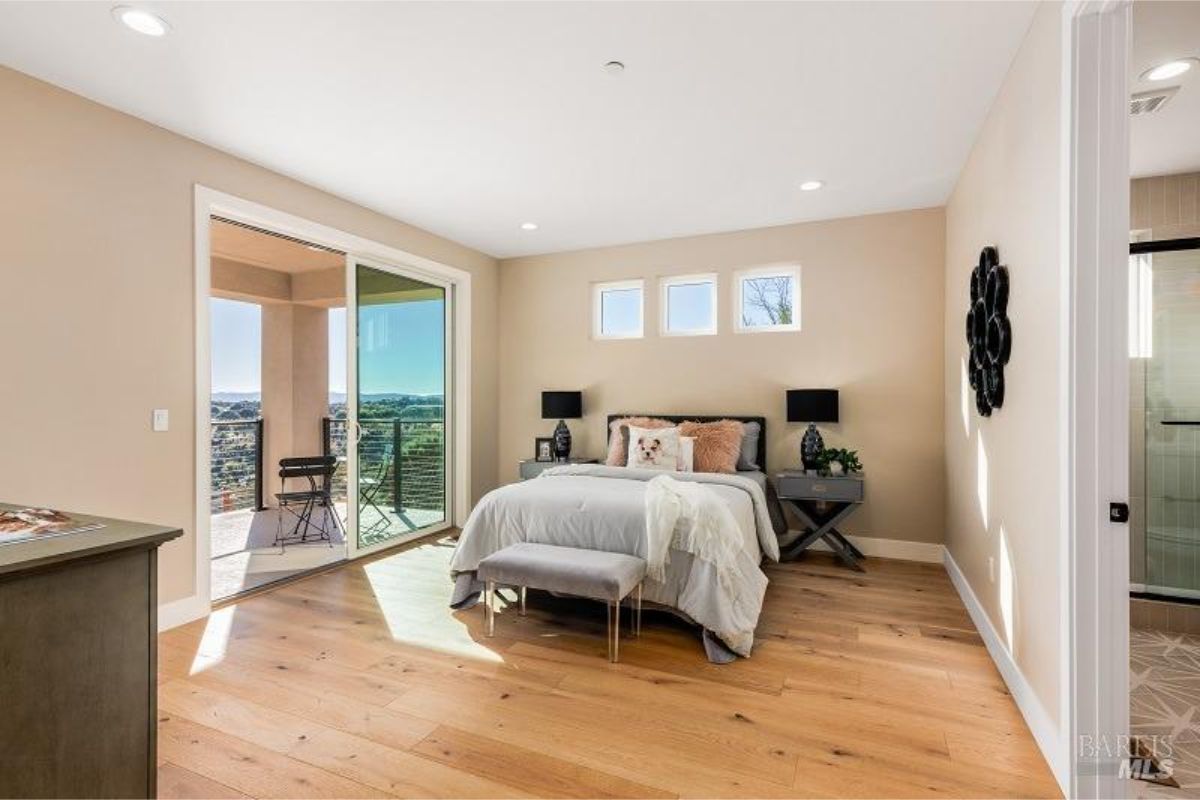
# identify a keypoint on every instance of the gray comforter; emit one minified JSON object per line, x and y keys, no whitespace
{"x":598,"y":507}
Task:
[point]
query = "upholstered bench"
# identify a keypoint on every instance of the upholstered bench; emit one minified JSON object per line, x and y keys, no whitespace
{"x":611,"y":577}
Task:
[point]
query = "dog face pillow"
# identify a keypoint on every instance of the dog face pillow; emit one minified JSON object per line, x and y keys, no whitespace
{"x":651,"y":448}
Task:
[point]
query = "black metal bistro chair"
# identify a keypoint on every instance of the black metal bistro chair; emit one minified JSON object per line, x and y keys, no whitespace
{"x":369,"y":487}
{"x":304,"y":503}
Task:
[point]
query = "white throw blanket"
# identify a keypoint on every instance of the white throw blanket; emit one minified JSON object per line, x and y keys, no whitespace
{"x":713,"y":576}
{"x":689,"y":517}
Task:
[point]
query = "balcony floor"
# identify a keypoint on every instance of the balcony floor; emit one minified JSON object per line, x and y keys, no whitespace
{"x":245,"y":557}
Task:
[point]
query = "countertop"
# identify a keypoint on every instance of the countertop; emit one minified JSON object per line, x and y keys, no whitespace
{"x":117,"y":534}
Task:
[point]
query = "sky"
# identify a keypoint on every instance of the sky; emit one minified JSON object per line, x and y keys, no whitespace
{"x":236,"y":346}
{"x":401,"y":351}
{"x":401,"y":348}
{"x":689,"y":306}
{"x":337,"y":351}
{"x":620,"y":310}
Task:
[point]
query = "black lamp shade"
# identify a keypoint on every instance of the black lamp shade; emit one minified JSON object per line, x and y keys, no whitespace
{"x":812,"y":405}
{"x":562,"y":405}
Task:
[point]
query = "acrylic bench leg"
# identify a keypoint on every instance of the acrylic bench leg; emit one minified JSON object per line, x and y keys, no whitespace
{"x":489,"y":607}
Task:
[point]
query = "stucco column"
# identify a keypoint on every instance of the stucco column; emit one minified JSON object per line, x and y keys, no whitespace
{"x":277,"y":392}
{"x":310,"y":378}
{"x":295,"y":385}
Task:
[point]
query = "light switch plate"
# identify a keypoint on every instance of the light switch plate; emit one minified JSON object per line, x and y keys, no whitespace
{"x":161,"y":420}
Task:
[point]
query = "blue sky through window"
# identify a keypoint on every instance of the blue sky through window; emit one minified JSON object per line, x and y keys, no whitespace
{"x":337,"y":351}
{"x":689,"y":306}
{"x":401,"y":348}
{"x":768,"y":301}
{"x":236,"y":346}
{"x":620,"y":312}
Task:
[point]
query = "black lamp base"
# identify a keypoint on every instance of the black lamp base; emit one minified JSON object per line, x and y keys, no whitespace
{"x":562,"y":441}
{"x":810,"y":447}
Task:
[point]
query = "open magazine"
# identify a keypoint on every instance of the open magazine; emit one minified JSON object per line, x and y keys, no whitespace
{"x":22,"y":524}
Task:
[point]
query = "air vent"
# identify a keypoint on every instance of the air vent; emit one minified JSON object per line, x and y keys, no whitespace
{"x":1152,"y":101}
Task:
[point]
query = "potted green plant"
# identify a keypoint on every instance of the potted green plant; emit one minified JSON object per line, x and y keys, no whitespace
{"x":838,"y":461}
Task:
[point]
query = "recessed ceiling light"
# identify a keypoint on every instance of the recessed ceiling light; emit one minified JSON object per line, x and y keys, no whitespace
{"x":140,"y":20}
{"x":614,"y":67}
{"x":1171,"y":69}
{"x":811,"y":186}
{"x":529,"y":226}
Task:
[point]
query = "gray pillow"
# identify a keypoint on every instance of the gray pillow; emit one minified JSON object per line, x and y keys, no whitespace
{"x":748,"y":458}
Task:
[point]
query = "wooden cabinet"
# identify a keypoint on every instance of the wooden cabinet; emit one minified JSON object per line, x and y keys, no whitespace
{"x":78,"y":626}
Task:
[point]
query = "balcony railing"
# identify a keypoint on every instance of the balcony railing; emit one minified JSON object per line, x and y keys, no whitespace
{"x":405,"y":455}
{"x":237,"y":464}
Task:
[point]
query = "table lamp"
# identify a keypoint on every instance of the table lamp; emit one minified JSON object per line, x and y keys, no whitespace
{"x":812,"y":406}
{"x":562,"y":406}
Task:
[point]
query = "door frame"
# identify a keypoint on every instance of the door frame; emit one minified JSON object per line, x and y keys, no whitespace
{"x":1095,"y":664}
{"x":353,"y":261}
{"x":208,"y":202}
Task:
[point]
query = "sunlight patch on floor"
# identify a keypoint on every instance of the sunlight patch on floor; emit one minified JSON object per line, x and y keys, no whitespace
{"x":432,"y":629}
{"x":215,"y":641}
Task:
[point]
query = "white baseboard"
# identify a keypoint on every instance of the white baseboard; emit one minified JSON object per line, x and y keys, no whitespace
{"x":892,"y":548}
{"x":1045,"y":732}
{"x":180,"y":612}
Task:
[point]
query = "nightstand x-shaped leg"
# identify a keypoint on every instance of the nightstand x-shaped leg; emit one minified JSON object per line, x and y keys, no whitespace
{"x":825,"y":529}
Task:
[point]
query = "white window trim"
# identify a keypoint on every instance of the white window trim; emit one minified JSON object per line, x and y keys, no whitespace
{"x":664,"y":287}
{"x":773,"y":271}
{"x":598,"y":290}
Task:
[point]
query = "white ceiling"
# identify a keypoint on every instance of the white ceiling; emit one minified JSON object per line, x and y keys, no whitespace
{"x":470,"y":118}
{"x":1167,"y":141}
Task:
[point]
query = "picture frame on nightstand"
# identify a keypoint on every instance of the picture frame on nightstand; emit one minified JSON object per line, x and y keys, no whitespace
{"x":543,"y":449}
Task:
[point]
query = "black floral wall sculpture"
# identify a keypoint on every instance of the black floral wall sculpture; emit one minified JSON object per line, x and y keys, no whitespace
{"x":989,"y":332}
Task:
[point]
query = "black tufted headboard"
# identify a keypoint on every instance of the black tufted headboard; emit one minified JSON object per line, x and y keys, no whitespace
{"x":762,"y":427}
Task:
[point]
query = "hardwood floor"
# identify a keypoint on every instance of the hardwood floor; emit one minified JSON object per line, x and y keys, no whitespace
{"x":360,"y":682}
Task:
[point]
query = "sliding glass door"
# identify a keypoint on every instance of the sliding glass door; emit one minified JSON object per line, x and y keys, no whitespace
{"x":398,"y":404}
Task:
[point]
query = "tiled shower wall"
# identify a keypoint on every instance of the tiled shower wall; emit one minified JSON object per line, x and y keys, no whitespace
{"x":1167,"y":206}
{"x":1164,"y":207}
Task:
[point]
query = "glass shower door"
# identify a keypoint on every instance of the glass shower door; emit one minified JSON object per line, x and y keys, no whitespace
{"x":1171,"y":362}
{"x":401,"y":325}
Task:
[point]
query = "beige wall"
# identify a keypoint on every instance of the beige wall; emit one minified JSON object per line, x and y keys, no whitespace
{"x":1004,"y":494}
{"x":96,"y":281}
{"x":238,"y":281}
{"x":872,"y":327}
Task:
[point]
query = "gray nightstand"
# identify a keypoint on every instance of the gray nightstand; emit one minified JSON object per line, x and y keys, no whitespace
{"x":821,"y":503}
{"x":531,"y":468}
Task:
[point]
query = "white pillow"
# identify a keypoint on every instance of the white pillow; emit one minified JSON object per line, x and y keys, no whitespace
{"x":687,"y":446}
{"x":653,"y":448}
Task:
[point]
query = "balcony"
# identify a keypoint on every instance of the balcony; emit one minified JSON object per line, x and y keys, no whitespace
{"x":401,"y":470}
{"x":402,"y":476}
{"x":236,"y":467}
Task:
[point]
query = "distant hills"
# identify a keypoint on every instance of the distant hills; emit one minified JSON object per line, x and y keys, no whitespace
{"x":335,"y":398}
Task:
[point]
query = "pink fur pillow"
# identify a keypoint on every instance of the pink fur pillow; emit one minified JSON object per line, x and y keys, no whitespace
{"x":618,"y":438}
{"x":717,"y":444}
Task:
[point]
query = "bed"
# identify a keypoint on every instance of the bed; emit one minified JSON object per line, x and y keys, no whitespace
{"x":597,"y":507}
